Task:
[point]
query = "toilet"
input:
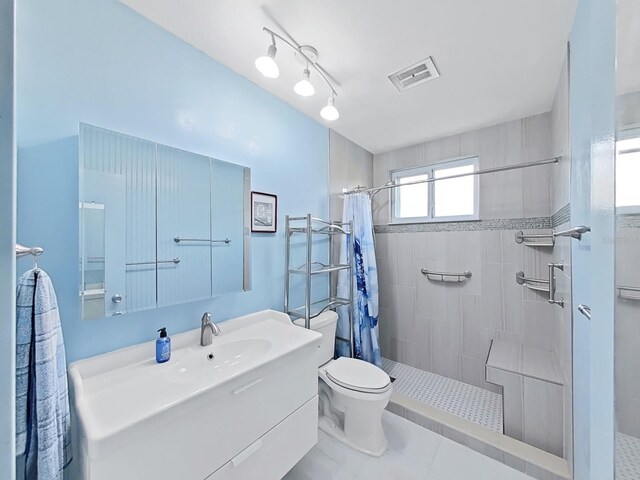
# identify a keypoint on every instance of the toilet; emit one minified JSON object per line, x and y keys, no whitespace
{"x":352,"y":393}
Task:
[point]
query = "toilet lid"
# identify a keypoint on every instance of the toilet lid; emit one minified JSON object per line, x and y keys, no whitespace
{"x":358,"y":375}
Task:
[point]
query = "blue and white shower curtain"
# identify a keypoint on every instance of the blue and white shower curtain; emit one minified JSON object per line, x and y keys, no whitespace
{"x":364,"y":282}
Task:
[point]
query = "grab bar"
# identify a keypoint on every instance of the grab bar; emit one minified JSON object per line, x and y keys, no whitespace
{"x":527,"y":282}
{"x":174,"y":261}
{"x":180,"y":239}
{"x":461,"y":276}
{"x":552,"y":283}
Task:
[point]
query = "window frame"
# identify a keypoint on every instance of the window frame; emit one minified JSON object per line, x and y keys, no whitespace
{"x":628,"y":132}
{"x":430,"y":169}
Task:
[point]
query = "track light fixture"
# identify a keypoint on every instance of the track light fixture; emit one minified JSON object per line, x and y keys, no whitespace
{"x":266,"y":64}
{"x":269,"y":68}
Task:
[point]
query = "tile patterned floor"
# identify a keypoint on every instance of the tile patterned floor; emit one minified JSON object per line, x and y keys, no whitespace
{"x":414,"y":453}
{"x":471,"y":403}
{"x":627,"y":457}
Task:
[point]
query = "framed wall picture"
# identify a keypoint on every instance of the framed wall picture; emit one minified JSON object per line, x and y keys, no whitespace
{"x":264,"y":212}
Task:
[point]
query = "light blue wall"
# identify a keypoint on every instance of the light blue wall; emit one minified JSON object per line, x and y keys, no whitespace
{"x":99,"y":62}
{"x":592,"y":120}
{"x":7,"y":240}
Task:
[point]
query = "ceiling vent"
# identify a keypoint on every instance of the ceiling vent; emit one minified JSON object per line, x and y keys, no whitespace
{"x":414,"y":75}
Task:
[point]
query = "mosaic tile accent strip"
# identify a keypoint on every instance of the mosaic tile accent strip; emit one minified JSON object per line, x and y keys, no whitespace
{"x":561,"y":216}
{"x":466,"y":401}
{"x":531,"y":223}
{"x":627,"y":457}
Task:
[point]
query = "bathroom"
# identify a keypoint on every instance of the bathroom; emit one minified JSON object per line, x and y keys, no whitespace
{"x":162,"y":177}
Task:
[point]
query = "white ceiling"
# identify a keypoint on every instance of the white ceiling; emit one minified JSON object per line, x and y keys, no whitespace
{"x":498,"y":59}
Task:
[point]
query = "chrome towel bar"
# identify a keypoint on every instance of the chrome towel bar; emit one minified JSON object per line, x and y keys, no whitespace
{"x":461,"y":277}
{"x":22,"y":251}
{"x":174,"y":261}
{"x":180,"y":239}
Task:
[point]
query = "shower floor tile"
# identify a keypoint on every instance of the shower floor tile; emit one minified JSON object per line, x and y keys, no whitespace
{"x":627,"y":457}
{"x":467,"y":401}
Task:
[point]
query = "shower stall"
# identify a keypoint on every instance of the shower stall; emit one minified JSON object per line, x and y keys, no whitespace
{"x":475,"y":314}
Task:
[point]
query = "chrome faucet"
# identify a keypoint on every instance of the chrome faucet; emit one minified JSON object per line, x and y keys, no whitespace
{"x":207,"y":330}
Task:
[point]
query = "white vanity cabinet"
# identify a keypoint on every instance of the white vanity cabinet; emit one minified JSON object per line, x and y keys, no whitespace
{"x":248,"y":412}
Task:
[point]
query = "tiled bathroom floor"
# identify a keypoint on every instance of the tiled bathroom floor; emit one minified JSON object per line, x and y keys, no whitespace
{"x":467,"y":401}
{"x":414,"y":453}
{"x":627,"y":457}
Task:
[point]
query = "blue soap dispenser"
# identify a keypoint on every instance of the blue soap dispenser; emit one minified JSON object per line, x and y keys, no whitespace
{"x":163,"y":346}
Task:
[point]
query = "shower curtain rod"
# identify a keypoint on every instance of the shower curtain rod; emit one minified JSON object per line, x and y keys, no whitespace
{"x":374,"y":190}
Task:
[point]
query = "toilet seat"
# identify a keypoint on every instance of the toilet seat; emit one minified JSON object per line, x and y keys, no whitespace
{"x":358,"y":375}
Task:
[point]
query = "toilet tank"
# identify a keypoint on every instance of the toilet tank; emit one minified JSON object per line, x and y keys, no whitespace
{"x":325,"y":323}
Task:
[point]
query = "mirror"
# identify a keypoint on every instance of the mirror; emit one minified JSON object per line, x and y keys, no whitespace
{"x":159,"y":226}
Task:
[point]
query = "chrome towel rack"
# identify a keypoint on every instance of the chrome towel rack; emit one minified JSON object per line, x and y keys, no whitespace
{"x":625,"y":288}
{"x":460,"y":277}
{"x":180,"y":239}
{"x":134,"y":264}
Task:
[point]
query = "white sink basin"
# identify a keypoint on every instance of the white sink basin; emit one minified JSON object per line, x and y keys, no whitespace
{"x":203,"y":365}
{"x":125,"y":398}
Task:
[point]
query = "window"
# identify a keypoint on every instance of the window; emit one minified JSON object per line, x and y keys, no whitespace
{"x":455,"y":199}
{"x":628,"y":173}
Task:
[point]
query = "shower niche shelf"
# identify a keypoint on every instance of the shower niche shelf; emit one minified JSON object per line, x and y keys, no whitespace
{"x":535,"y":239}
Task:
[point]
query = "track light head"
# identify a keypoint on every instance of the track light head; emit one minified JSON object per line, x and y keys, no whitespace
{"x":304,"y":87}
{"x":266,"y":64}
{"x":330,"y":112}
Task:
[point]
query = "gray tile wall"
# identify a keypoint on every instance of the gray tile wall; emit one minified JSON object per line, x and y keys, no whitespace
{"x":350,"y":166}
{"x":447,"y":328}
{"x":561,"y":175}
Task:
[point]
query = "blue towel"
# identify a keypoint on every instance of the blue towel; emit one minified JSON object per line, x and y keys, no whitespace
{"x":363,"y":282}
{"x":43,"y":425}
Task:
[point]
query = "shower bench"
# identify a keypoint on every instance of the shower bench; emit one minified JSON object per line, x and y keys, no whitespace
{"x":533,"y":390}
